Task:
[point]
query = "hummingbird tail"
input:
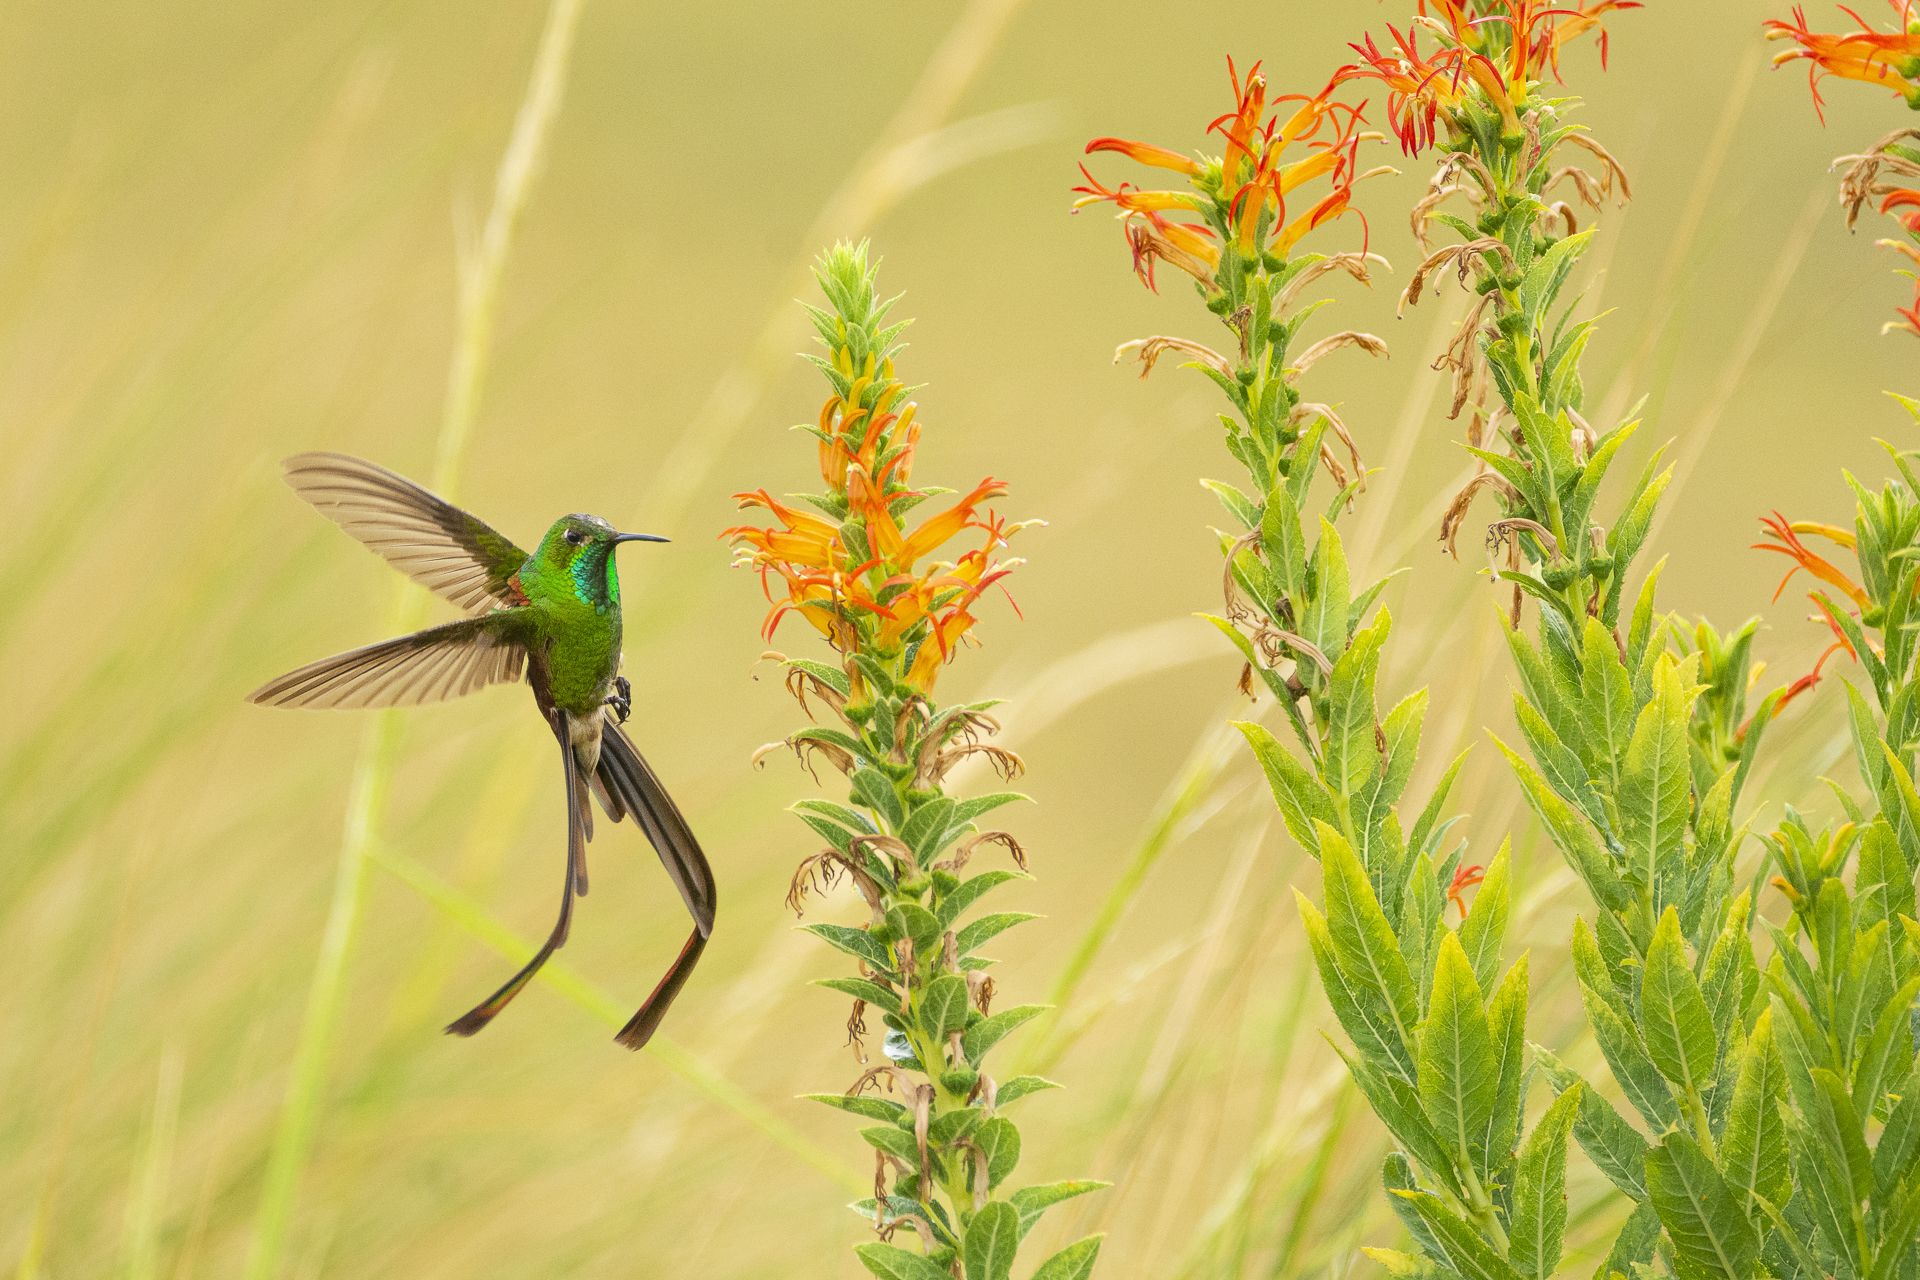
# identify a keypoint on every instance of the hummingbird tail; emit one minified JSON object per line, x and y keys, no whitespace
{"x":647,"y":1019}
{"x":624,"y":776}
{"x":481,"y":1014}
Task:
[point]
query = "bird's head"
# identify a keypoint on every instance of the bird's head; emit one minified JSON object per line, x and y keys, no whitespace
{"x":579,"y":550}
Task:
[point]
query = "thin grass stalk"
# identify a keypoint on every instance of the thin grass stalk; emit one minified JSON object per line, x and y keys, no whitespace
{"x":479,"y":284}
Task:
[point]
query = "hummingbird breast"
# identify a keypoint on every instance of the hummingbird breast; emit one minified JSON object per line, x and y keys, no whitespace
{"x":583,"y":656}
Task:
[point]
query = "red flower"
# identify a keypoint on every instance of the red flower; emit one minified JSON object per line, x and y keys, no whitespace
{"x":1784,"y":539}
{"x":1464,"y":879}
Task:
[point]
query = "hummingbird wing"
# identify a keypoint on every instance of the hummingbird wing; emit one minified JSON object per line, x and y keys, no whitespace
{"x":426,"y":666}
{"x":430,"y":540}
{"x":632,"y":786}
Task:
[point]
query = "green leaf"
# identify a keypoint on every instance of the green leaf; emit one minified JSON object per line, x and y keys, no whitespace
{"x":1458,"y":1244}
{"x":867,"y":1107}
{"x":896,"y":1142}
{"x":1458,"y":1069}
{"x":892,"y":1263}
{"x":857,"y":943}
{"x":1710,"y":1233}
{"x":1020,"y":1087}
{"x":1075,"y":1262}
{"x":1484,"y":930}
{"x":1284,"y":542}
{"x":999,"y":1141}
{"x":1036,"y":1200}
{"x":1673,"y":1012}
{"x":1575,"y":839}
{"x":1507,"y":1020}
{"x":1364,"y":945}
{"x":861,"y":989}
{"x":1324,"y":623}
{"x":943,"y":1006}
{"x":1754,"y":1149}
{"x":1654,"y":793}
{"x":1539,"y":1220}
{"x":965,"y":811}
{"x":1619,"y":1040}
{"x":987,"y":927}
{"x":1633,"y":1247}
{"x":1303,"y":801}
{"x":993,"y":1237}
{"x":991,"y":1030}
{"x":925,"y":831}
{"x":1899,"y":1235}
{"x":1347,"y":741}
{"x":1615,"y":1147}
{"x":1368,"y":1022}
{"x":1398,"y":1106}
{"x":875,"y":790}
{"x":970,"y":891}
{"x":912,"y":921}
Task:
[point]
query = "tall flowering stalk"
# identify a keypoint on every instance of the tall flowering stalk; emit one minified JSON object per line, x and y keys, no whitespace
{"x":1435,"y":1021}
{"x":1888,"y":59}
{"x":893,"y":611}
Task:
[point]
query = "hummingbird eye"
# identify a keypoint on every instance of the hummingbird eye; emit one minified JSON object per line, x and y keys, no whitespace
{"x":575,"y":537}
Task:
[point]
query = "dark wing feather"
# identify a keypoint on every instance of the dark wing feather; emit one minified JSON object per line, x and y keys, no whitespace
{"x":432,"y":541}
{"x":427,"y":666}
{"x":626,"y":778}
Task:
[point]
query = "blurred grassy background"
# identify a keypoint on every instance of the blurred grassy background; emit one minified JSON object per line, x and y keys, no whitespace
{"x":229,"y":233}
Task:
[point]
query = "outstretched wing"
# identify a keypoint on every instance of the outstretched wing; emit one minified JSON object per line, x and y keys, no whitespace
{"x":427,"y":666}
{"x":432,"y":541}
{"x":630,"y":783}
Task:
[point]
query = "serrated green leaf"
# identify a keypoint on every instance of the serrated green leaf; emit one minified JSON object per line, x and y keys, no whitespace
{"x":1709,"y":1231}
{"x":1458,"y":1074}
{"x":1615,"y":1147}
{"x":1075,"y":1262}
{"x":970,"y":891}
{"x":925,"y":830}
{"x":912,"y":921}
{"x":999,"y":1141}
{"x":1571,"y":834}
{"x":861,"y":989}
{"x":896,"y":1142}
{"x":1303,"y":801}
{"x":868,"y":1107}
{"x":991,"y":1030}
{"x":1324,"y":622}
{"x":1021,"y":1087}
{"x":857,"y":943}
{"x":1507,"y":1020}
{"x":1619,"y":1040}
{"x":874,"y":789}
{"x":1673,"y":1012}
{"x":1364,"y":944}
{"x":1347,"y":740}
{"x":993,"y":1237}
{"x":1484,"y":931}
{"x":1458,"y":1244}
{"x":1032,"y":1202}
{"x":1754,"y":1149}
{"x":1655,"y":796}
{"x":892,"y":1263}
{"x":987,"y":927}
{"x":1539,"y":1220}
{"x":943,"y":1006}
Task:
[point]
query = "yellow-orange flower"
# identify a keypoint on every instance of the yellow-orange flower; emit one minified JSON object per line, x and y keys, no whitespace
{"x":1783,"y":538}
{"x":1888,"y":59}
{"x":1273,"y":147}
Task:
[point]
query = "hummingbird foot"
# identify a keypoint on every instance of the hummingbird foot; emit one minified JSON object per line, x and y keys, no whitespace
{"x":622,"y":699}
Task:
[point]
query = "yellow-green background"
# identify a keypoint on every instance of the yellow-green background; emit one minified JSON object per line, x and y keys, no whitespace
{"x":227,"y":233}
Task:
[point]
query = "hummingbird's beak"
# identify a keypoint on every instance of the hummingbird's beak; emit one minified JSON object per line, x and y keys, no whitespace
{"x":619,"y":538}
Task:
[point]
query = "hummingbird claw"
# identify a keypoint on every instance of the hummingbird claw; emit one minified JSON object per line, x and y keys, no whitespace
{"x":622,"y":699}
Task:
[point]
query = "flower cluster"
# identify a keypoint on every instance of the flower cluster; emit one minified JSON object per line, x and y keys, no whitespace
{"x":853,"y":567}
{"x":1881,"y":175}
{"x":1244,"y":207}
{"x":1501,"y":48}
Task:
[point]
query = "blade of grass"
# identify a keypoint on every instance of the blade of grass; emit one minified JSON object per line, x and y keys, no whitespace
{"x":478,"y":290}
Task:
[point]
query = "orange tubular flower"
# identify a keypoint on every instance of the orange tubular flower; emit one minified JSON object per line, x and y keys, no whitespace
{"x":1273,"y":147}
{"x":852,"y":574}
{"x":1464,"y":879}
{"x":1888,"y":59}
{"x":1784,"y":539}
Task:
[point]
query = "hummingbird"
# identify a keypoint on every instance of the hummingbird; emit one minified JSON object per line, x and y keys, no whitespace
{"x":552,"y":618}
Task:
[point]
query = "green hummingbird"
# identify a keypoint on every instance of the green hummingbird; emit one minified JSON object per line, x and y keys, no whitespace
{"x":552,"y":618}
